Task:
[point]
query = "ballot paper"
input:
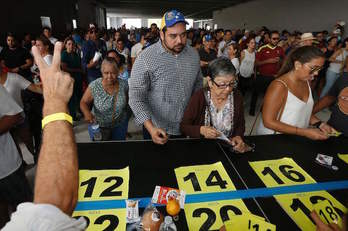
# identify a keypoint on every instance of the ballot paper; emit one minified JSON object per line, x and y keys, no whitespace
{"x":223,"y":137}
{"x":97,"y":56}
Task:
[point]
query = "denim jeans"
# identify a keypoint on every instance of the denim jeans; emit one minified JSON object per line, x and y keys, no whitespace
{"x":331,"y":78}
{"x":118,"y":133}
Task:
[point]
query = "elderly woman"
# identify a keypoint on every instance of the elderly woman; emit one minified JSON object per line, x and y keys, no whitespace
{"x":108,"y":96}
{"x":218,"y":109}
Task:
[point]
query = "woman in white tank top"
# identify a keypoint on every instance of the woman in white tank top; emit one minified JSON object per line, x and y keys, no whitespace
{"x":289,"y":103}
{"x":246,"y":69}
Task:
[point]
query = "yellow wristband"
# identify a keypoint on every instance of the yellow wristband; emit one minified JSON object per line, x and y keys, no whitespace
{"x":55,"y":117}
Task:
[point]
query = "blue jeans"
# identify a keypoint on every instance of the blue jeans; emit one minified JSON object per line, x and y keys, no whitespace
{"x":118,"y":133}
{"x":331,"y":78}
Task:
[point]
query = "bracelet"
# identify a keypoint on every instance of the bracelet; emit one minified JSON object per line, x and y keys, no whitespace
{"x":56,"y":117}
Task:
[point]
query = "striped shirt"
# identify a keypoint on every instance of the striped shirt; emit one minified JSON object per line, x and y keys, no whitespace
{"x":161,"y":85}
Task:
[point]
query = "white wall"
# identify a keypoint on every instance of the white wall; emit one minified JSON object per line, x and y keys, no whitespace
{"x":303,"y":15}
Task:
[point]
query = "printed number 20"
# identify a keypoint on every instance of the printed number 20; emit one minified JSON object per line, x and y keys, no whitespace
{"x":212,"y":216}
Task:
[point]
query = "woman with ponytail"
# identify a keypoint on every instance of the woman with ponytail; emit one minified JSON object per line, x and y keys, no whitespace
{"x":288,"y":101}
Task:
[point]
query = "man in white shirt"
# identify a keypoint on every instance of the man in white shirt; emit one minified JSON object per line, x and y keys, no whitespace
{"x":137,"y":48}
{"x":222,"y":51}
{"x":12,"y":175}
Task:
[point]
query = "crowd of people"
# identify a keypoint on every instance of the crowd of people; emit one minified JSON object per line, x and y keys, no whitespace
{"x":176,"y":83}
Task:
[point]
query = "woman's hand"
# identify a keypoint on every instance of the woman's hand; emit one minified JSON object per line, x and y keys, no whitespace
{"x":327,"y":129}
{"x":321,"y":226}
{"x":238,"y":144}
{"x":89,"y":118}
{"x":209,"y":132}
{"x":315,"y":134}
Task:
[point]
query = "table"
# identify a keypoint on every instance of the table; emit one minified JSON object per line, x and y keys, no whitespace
{"x":152,"y":165}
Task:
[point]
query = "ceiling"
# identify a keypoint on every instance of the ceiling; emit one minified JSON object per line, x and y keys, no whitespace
{"x":197,"y":9}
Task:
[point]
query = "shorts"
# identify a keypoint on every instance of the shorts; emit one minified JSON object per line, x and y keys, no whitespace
{"x":15,"y":189}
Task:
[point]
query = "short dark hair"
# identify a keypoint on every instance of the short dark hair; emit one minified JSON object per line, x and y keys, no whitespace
{"x":228,"y":30}
{"x":274,"y":32}
{"x":122,"y":58}
{"x":120,"y":40}
{"x":46,"y":42}
{"x":10,"y":34}
{"x":46,"y":28}
{"x":220,"y":67}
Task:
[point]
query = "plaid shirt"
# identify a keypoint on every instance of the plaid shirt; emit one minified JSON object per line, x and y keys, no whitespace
{"x":161,"y":86}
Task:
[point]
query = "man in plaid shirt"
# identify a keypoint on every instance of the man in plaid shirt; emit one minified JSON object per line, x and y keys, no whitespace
{"x":163,"y":78}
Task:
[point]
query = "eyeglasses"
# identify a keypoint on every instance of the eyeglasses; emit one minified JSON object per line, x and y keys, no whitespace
{"x":313,"y":69}
{"x":233,"y":84}
{"x":345,"y":98}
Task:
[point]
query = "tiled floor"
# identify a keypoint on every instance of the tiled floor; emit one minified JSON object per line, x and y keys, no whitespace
{"x":81,"y":132}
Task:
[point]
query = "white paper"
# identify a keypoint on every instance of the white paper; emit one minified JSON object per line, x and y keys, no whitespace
{"x":97,"y":56}
{"x":223,"y":137}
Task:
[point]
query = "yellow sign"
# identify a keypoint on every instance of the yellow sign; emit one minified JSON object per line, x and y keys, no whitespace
{"x":248,"y":222}
{"x":343,"y":157}
{"x":327,"y":213}
{"x":108,"y":219}
{"x":285,"y":172}
{"x":212,"y":215}
{"x":98,"y":185}
{"x":281,"y":172}
{"x":203,"y":178}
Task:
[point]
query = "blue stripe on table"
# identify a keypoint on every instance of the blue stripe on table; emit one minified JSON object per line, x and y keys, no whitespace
{"x":229,"y":195}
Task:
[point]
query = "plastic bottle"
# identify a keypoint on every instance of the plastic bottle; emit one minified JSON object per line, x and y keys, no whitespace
{"x":97,"y":136}
{"x":168,"y":224}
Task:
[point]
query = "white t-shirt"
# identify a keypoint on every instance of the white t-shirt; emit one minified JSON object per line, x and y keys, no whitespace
{"x":48,"y":59}
{"x":235,"y":62}
{"x":220,"y":47}
{"x":42,"y":217}
{"x":10,"y":160}
{"x":53,"y":40}
{"x":14,"y":85}
{"x":136,"y":49}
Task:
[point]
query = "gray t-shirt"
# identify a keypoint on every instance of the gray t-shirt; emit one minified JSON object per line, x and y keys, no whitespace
{"x":9,"y":156}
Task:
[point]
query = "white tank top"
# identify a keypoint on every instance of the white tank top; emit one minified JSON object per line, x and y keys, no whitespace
{"x":246,"y":68}
{"x":296,"y":112}
{"x":336,"y":67}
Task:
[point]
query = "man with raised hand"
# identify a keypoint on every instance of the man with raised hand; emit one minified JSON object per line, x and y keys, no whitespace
{"x":56,"y":183}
